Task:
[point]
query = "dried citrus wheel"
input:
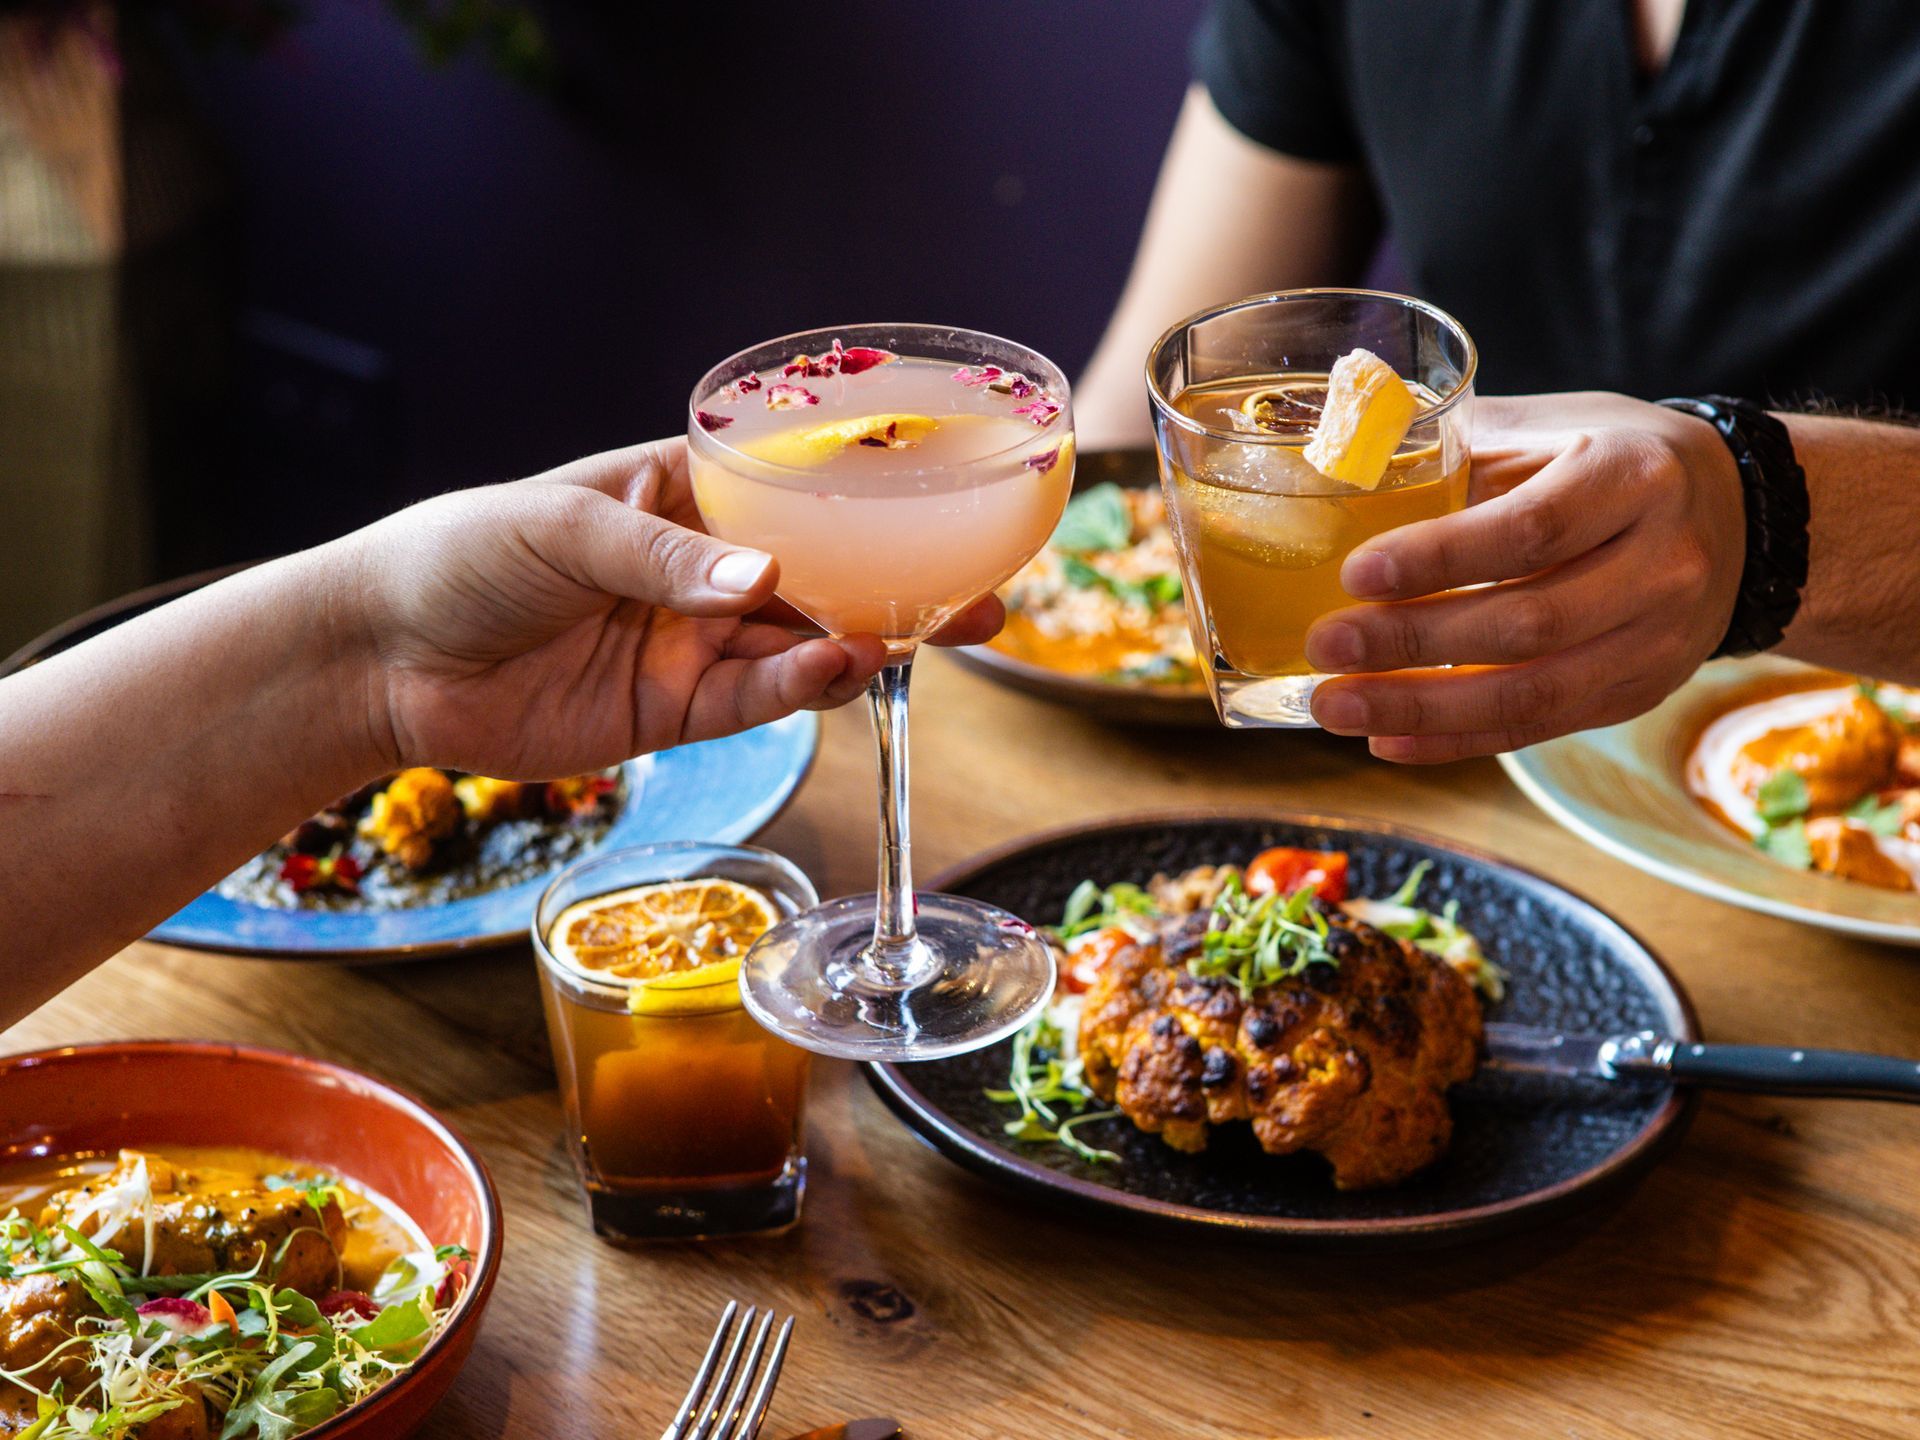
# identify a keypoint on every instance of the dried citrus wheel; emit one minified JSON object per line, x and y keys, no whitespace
{"x":678,"y":933}
{"x":1287,"y":407}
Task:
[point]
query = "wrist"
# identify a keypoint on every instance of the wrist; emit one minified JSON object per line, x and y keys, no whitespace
{"x":331,"y":591}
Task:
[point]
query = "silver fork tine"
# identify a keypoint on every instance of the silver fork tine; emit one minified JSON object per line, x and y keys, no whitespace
{"x":729,"y":1413}
{"x":698,"y":1389}
{"x":710,"y":1410}
{"x":762,"y":1397}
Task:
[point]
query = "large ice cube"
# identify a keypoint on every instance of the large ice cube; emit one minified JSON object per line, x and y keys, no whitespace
{"x":1265,"y":469}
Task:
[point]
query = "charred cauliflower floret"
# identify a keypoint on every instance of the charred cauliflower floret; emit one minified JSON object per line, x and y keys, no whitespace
{"x":418,"y":808}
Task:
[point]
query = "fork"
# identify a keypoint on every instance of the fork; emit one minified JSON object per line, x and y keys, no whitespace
{"x":716,"y":1406}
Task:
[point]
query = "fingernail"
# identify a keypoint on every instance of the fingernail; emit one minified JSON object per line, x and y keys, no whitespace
{"x":1341,"y":711}
{"x":738,"y":571}
{"x":1368,"y":572}
{"x":1337,"y":646}
{"x":1391,"y":747}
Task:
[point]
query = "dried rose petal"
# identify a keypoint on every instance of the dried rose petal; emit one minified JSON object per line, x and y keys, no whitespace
{"x":707,"y":420}
{"x":873,"y":440}
{"x":1041,"y":410}
{"x":744,"y":386}
{"x":790,"y":397}
{"x":857,"y":358}
{"x":985,"y":375}
{"x":1044,"y":461}
{"x":1021,"y":387}
{"x":816,"y":366}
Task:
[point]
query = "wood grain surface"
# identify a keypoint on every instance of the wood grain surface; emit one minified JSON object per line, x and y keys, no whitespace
{"x":1765,"y":1281}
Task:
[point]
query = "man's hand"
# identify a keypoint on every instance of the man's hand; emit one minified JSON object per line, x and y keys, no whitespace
{"x":572,"y":620}
{"x":1609,"y":534}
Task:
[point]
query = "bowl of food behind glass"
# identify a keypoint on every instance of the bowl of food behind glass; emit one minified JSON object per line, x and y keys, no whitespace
{"x":408,"y":1220}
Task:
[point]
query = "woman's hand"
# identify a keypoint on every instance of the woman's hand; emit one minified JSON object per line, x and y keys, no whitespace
{"x":1614,"y":533}
{"x":572,"y":620}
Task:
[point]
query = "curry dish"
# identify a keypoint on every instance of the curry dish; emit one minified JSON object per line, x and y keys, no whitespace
{"x":1334,"y":1025}
{"x":425,"y":836}
{"x":1103,"y":599}
{"x":1823,"y":775}
{"x":202,"y":1293}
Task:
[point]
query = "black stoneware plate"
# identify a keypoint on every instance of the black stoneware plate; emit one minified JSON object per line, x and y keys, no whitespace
{"x":1524,"y":1150}
{"x":1120,"y":701}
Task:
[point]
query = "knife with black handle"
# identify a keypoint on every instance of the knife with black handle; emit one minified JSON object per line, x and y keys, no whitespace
{"x":1645,"y":1057}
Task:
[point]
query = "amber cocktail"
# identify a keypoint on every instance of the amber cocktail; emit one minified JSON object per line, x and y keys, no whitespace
{"x":683,"y":1114}
{"x":1239,"y":396}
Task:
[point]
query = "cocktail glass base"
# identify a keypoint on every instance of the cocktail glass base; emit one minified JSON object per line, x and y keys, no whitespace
{"x":1273,"y":702}
{"x":691,"y":1210}
{"x":974,"y":975}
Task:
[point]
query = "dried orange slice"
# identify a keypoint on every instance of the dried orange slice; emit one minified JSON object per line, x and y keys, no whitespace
{"x":677,"y":934}
{"x":1368,"y":411}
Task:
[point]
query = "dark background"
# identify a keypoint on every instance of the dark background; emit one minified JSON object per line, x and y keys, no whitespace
{"x":352,"y":276}
{"x":440,"y":276}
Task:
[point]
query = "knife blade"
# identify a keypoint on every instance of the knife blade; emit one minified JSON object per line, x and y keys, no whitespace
{"x":878,"y":1428}
{"x":1644,"y":1057}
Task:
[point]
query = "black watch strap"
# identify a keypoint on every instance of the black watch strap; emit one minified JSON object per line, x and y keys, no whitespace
{"x":1775,"y":489}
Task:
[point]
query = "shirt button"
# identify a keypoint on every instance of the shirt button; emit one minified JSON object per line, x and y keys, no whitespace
{"x":1643,"y":136}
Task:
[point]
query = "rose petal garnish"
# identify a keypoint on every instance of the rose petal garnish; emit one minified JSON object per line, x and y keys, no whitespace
{"x":857,"y":358}
{"x":1041,"y":410}
{"x":1021,"y":387}
{"x":985,"y":375}
{"x":707,"y":420}
{"x":790,"y":397}
{"x":745,"y":385}
{"x":1044,"y":461}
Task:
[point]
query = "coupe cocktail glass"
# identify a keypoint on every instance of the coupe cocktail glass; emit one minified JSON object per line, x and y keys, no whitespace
{"x":1262,"y":534}
{"x":898,"y":473}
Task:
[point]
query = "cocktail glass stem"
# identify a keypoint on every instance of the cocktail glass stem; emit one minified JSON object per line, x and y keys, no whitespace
{"x":894,"y":951}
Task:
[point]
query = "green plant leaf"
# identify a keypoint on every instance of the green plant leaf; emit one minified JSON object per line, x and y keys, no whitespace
{"x":1095,"y":519}
{"x":1788,"y":844}
{"x":1782,"y":795}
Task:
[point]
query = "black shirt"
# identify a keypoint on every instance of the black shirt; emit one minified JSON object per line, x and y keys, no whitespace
{"x":1745,"y":221}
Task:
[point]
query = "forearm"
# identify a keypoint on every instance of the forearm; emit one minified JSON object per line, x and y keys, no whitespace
{"x":139,"y":768}
{"x":1861,"y":609}
{"x":1228,"y":218}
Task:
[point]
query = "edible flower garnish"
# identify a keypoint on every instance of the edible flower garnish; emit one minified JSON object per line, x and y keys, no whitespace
{"x":707,"y":420}
{"x":745,"y":385}
{"x":1042,"y":409}
{"x":984,"y":375}
{"x":1044,"y":460}
{"x":1256,"y":942}
{"x":790,"y":397}
{"x":838,"y":360}
{"x":334,"y":871}
{"x":578,"y":795}
{"x":1045,"y":1078}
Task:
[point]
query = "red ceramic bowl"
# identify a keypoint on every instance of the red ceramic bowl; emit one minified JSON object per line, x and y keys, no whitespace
{"x":152,"y":1093}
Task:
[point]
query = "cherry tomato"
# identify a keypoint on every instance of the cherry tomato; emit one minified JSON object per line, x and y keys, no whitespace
{"x":1089,"y":956}
{"x":1283,"y":871}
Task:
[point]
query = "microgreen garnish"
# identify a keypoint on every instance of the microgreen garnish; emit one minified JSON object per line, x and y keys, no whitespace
{"x":1044,"y":1080}
{"x":1438,"y":932}
{"x":1781,"y":796}
{"x":1096,"y":519}
{"x":709,"y":421}
{"x":1091,"y":908}
{"x":1261,"y":942}
{"x":790,"y":397}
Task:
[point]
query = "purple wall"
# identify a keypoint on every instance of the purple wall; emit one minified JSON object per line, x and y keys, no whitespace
{"x":547,"y":275}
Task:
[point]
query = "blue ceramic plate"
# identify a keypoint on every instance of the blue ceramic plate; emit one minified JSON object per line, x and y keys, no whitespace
{"x":720,"y":791}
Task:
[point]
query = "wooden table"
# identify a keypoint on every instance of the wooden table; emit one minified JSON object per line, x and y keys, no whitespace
{"x":1764,"y":1281}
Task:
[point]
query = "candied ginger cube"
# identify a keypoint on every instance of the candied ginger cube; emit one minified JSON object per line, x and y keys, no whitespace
{"x":1366,"y":417}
